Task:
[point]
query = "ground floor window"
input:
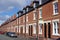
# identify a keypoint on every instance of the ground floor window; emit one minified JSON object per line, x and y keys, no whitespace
{"x":27,"y":29}
{"x":19,"y":29}
{"x":55,"y":27}
{"x":40,"y":28}
{"x":34,"y":28}
{"x":23,"y":29}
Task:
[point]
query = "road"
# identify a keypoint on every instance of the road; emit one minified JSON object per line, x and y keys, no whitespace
{"x":4,"y":37}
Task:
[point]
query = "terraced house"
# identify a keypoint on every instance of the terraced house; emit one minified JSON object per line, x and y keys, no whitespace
{"x":37,"y":19}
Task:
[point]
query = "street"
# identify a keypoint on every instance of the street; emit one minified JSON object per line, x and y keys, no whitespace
{"x":4,"y":37}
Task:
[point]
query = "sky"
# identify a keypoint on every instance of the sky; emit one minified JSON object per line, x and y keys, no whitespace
{"x":11,"y":7}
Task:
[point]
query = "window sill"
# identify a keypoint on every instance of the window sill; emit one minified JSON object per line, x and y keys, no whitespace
{"x":34,"y":19}
{"x":56,"y":34}
{"x":40,"y":33}
{"x":40,"y":18}
{"x":55,"y":14}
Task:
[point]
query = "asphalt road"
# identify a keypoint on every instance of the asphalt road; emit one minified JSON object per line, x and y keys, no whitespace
{"x":4,"y":37}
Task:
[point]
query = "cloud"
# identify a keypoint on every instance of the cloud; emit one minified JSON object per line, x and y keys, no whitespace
{"x":8,"y":9}
{"x":1,"y":22}
{"x":3,"y":18}
{"x":8,"y":4}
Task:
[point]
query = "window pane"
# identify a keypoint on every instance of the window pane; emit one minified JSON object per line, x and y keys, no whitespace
{"x":34,"y":5}
{"x":55,"y":31}
{"x":40,"y":2}
{"x":40,"y":13}
{"x":34,"y":28}
{"x":56,"y":27}
{"x":40,"y":28}
{"x":34,"y":16}
{"x":56,"y":7}
{"x":56,"y":10}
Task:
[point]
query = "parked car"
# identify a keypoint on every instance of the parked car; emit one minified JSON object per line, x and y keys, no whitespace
{"x":1,"y":32}
{"x":11,"y":34}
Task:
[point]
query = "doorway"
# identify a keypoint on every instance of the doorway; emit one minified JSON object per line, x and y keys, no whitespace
{"x":30,"y":30}
{"x":49,"y":32}
{"x":45,"y":26}
{"x":21,"y":30}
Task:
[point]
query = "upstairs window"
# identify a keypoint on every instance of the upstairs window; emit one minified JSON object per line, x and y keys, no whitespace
{"x":23,"y":11}
{"x":34,"y":5}
{"x":27,"y":9}
{"x":34,"y":16}
{"x":40,"y":13}
{"x":19,"y":14}
{"x":40,"y":2}
{"x":55,"y":7}
{"x":27,"y":17}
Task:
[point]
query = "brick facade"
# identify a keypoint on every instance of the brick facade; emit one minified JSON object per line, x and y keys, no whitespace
{"x":47,"y":20}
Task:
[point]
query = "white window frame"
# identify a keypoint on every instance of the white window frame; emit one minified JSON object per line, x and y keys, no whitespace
{"x":34,"y":15}
{"x":34,"y":5}
{"x":27,"y":9}
{"x":40,"y":2}
{"x":40,"y":16}
{"x":19,"y":14}
{"x":19,"y":29}
{"x":56,"y":20}
{"x":27,"y":28}
{"x":27,"y":17}
{"x":34,"y":28}
{"x":23,"y":29}
{"x":40,"y":30}
{"x":54,"y":7}
{"x":23,"y":11}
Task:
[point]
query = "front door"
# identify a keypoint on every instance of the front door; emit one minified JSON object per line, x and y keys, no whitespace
{"x":45,"y":27}
{"x":30,"y":30}
{"x":49,"y":32}
{"x":21,"y":30}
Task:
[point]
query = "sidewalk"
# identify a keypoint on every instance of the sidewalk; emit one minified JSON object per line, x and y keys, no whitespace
{"x":34,"y":38}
